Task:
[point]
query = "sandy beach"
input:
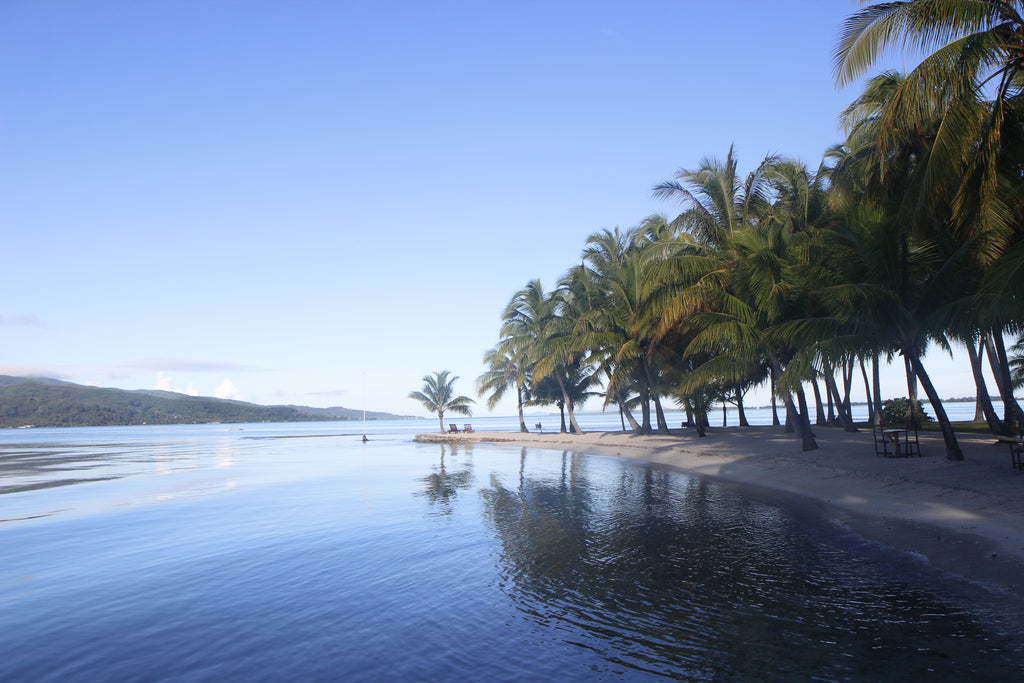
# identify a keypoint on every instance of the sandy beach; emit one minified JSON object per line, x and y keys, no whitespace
{"x":962,"y":517}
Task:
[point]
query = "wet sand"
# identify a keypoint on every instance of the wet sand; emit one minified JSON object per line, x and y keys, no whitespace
{"x":962,"y":517}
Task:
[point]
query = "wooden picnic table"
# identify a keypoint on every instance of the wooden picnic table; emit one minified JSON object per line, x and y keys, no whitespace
{"x":894,"y":436}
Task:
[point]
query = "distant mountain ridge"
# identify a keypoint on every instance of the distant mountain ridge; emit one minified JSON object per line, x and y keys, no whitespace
{"x":47,"y":402}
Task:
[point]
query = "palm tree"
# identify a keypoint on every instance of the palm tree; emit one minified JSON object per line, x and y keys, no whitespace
{"x":962,"y":106}
{"x":718,"y":202}
{"x":616,"y":330}
{"x":916,"y":271}
{"x":722,"y":295}
{"x":438,"y":396}
{"x":577,"y":380}
{"x":971,"y":78}
{"x":535,"y":321}
{"x":504,"y":370}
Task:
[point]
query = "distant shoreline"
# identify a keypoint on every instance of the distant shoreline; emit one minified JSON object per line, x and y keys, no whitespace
{"x":966,"y":517}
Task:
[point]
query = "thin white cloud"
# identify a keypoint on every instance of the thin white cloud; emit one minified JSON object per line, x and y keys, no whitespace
{"x":24,"y":320}
{"x":128,"y":368}
{"x":227,"y":389}
{"x":182,"y":365}
{"x":332,"y":392}
{"x":34,"y":371}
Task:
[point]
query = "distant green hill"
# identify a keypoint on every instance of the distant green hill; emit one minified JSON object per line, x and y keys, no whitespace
{"x":44,"y":402}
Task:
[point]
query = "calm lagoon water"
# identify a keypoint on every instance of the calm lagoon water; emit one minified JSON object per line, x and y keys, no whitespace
{"x":296,"y":552}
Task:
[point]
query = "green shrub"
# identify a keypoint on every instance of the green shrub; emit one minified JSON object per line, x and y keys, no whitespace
{"x":894,"y":411}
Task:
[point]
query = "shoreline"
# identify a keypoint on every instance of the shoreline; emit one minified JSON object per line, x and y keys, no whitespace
{"x":965,"y":518}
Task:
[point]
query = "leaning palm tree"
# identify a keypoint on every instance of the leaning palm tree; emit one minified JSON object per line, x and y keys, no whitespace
{"x":577,"y":379}
{"x":438,"y":396}
{"x":503,"y":371}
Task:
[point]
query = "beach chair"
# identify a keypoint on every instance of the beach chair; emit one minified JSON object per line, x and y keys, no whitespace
{"x":467,"y":428}
{"x":911,"y":446}
{"x":1016,"y":444}
{"x":452,"y":429}
{"x":881,"y":441}
{"x":1017,"y":454}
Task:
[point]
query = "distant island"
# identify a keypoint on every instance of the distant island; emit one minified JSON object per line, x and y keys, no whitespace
{"x":44,"y":402}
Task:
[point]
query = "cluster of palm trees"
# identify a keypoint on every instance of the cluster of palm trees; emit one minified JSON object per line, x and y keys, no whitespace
{"x":910,"y":233}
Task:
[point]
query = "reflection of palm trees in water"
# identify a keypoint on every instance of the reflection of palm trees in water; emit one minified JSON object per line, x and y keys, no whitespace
{"x":668,"y":574}
{"x":442,"y":486}
{"x":542,"y":526}
{"x":639,"y":521}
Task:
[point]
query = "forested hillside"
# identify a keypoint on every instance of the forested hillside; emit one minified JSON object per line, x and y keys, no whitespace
{"x":53,"y":403}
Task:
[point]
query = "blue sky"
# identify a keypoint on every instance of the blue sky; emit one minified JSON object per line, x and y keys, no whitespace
{"x":320,"y":202}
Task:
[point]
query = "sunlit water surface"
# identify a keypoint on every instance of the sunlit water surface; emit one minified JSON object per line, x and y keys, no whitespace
{"x":296,"y":552}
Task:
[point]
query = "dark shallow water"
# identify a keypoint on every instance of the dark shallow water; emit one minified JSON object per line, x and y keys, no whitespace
{"x":204,"y":554}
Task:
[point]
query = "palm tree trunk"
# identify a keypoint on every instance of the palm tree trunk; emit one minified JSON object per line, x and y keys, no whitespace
{"x":522,"y":422}
{"x":1016,"y":426}
{"x":828,"y":373}
{"x":953,"y":451}
{"x":700,"y":408}
{"x":828,"y":395}
{"x":568,"y":403}
{"x":806,"y":435}
{"x":848,"y":389}
{"x":876,"y":380}
{"x":624,"y":408}
{"x":1001,"y":371}
{"x":867,"y":387}
{"x":800,"y":422}
{"x":982,"y":400}
{"x":739,"y":407}
{"x":440,"y":420}
{"x":833,"y":389}
{"x":820,"y":409}
{"x":911,"y":389}
{"x":775,"y":407}
{"x":662,"y":424}
{"x":841,"y":413}
{"x":645,"y":409}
